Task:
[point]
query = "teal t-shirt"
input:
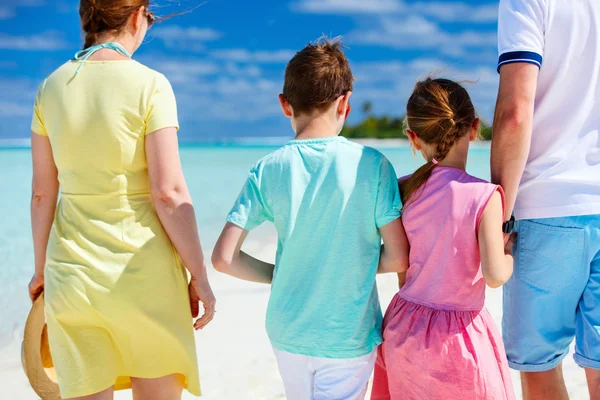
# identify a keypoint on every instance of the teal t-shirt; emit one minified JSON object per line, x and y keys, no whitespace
{"x":327,"y":198}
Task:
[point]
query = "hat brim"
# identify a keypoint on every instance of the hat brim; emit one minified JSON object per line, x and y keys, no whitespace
{"x":35,"y":354}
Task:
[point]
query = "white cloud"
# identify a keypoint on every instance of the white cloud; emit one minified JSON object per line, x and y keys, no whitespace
{"x":417,"y":32}
{"x":347,"y":6}
{"x":66,"y":7}
{"x":14,"y":109}
{"x":262,"y":57}
{"x":193,"y":71}
{"x":6,"y":13}
{"x":24,"y":3}
{"x":16,"y":98}
{"x":222,"y":90}
{"x":413,"y":25}
{"x":47,"y":41}
{"x":453,"y":51}
{"x":192,"y":38}
{"x":19,"y":89}
{"x":181,"y":71}
{"x":8,"y":64}
{"x":455,"y":11}
{"x":241,"y":92}
{"x":246,"y":70}
{"x":8,"y":9}
{"x":388,"y":84}
{"x":230,"y":99}
{"x":443,"y":11}
{"x":385,"y":71}
{"x":419,"y":25}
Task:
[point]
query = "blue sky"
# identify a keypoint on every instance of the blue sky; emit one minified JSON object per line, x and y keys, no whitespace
{"x":226,"y":59}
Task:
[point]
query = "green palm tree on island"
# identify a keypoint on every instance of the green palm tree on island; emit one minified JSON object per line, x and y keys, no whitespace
{"x":387,"y":127}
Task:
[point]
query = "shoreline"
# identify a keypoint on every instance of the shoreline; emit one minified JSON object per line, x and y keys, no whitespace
{"x":258,"y":142}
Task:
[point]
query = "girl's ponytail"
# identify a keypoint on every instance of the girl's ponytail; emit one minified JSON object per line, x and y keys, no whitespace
{"x":439,"y":112}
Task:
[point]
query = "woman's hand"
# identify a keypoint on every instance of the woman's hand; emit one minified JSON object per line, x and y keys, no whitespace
{"x":36,"y":287}
{"x":200,"y":291}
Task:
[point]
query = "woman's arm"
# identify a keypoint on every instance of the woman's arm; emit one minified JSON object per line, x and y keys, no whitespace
{"x":395,"y":249}
{"x":496,"y":256}
{"x":174,"y":207}
{"x":43,"y":206}
{"x":229,"y":259}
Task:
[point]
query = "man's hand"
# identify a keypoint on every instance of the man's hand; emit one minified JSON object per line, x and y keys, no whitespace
{"x":509,"y":243}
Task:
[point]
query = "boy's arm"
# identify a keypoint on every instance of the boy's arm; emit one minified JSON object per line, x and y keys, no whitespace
{"x":395,"y":248}
{"x":229,"y":259}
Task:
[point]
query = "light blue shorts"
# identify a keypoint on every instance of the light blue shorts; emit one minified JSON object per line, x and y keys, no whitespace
{"x":554,"y":294}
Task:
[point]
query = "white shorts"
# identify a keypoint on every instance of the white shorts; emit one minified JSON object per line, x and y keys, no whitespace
{"x":314,"y":378}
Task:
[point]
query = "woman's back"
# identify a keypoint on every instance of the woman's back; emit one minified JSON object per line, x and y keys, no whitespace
{"x":97,"y":120}
{"x":110,"y":266}
{"x":441,"y":223}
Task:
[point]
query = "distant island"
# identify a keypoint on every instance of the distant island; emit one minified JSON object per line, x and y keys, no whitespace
{"x":386,"y":127}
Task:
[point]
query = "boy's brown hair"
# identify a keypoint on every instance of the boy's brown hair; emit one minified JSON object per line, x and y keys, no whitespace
{"x":317,"y":76}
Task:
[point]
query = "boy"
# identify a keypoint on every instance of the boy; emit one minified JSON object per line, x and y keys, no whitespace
{"x":331,"y":202}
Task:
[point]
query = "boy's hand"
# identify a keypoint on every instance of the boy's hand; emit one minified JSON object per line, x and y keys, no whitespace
{"x":509,"y":242}
{"x":401,"y":279}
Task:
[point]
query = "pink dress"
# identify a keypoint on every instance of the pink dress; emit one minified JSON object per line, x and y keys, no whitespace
{"x":439,"y":340}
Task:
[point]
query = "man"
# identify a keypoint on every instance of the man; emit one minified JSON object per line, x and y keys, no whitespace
{"x":546,"y":155}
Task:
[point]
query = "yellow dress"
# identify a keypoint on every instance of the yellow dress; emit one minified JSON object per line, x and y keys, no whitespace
{"x":116,"y":292}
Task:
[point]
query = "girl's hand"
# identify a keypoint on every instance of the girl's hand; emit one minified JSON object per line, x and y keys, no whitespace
{"x":36,"y":287}
{"x":509,"y":242}
{"x":200,"y":291}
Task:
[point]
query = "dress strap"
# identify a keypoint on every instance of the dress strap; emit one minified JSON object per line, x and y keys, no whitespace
{"x":84,"y":54}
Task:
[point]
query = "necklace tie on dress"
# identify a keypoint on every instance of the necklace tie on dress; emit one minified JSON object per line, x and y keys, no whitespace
{"x":84,"y":54}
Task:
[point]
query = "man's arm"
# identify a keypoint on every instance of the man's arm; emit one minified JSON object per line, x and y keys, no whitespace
{"x":513,"y":121}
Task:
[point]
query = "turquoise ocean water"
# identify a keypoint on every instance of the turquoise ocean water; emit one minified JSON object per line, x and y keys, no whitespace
{"x":215,"y":175}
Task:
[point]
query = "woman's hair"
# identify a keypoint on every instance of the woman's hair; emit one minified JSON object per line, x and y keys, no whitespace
{"x":99,"y":17}
{"x":439,"y":112}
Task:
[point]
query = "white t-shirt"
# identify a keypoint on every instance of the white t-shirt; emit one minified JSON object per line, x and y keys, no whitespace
{"x":562,"y":37}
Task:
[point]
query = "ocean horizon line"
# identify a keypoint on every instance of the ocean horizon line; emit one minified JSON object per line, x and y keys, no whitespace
{"x":250,"y":141}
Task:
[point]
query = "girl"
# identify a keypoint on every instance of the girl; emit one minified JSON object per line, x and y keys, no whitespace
{"x":439,"y":340}
{"x":118,"y":305}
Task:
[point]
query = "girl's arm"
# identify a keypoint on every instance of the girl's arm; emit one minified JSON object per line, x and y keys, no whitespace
{"x":395,"y":249}
{"x":43,"y":206}
{"x":496,"y":256}
{"x":173,"y":205}
{"x":229,"y":259}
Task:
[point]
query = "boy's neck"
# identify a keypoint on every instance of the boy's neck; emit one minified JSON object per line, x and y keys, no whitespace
{"x":314,"y":128}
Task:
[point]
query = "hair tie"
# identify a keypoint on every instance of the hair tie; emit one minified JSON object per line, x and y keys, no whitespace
{"x":434,"y":161}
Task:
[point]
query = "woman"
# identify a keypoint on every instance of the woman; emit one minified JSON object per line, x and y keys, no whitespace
{"x":110,"y":257}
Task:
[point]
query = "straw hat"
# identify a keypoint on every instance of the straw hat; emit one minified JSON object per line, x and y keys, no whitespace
{"x":35,"y":354}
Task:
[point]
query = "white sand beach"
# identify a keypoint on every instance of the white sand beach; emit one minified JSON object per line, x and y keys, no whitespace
{"x":235,"y":357}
